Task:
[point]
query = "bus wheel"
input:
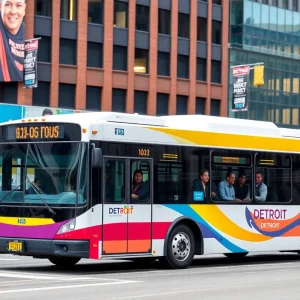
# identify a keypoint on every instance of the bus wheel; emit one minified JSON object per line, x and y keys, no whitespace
{"x":236,"y":255}
{"x":64,"y":261}
{"x":180,"y":248}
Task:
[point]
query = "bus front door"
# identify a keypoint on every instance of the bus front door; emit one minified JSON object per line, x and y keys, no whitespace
{"x":127,"y":207}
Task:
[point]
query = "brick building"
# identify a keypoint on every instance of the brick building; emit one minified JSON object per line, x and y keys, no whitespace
{"x":146,"y":56}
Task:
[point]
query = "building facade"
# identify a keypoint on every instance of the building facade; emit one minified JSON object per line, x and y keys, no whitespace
{"x":268,"y":31}
{"x":152,"y":57}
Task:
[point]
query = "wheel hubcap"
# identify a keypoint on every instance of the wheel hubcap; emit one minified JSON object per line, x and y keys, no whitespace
{"x":181,"y":246}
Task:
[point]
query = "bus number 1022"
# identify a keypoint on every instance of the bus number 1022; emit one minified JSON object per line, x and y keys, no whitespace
{"x":144,"y":152}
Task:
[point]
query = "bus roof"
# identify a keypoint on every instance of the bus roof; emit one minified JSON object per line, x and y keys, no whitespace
{"x":201,"y":123}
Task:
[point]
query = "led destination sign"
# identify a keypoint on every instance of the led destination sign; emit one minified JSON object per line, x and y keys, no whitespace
{"x":34,"y":132}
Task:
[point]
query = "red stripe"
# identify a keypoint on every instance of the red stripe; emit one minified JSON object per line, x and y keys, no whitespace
{"x":118,"y":232}
{"x":160,"y":229}
{"x":3,"y":60}
{"x":139,"y":231}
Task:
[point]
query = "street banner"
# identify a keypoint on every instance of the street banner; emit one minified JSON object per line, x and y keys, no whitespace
{"x":240,"y":78}
{"x":30,"y":63}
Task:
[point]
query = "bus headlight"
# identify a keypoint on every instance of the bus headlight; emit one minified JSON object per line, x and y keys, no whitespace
{"x":67,"y":227}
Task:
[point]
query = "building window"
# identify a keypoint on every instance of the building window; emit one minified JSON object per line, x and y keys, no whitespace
{"x":142,"y":18}
{"x":94,"y":55}
{"x":216,"y":71}
{"x":141,"y":61}
{"x":121,"y":14}
{"x":9,"y":93}
{"x":68,"y":52}
{"x":216,"y":32}
{"x":163,"y":63}
{"x":66,"y":97}
{"x":183,"y":66}
{"x":183,"y":25}
{"x":215,"y":107}
{"x":164,"y":21}
{"x":44,"y":53}
{"x":68,"y":10}
{"x":93,"y":98}
{"x":201,"y":69}
{"x":162,"y":104}
{"x":95,"y":11}
{"x":202,"y":29}
{"x":120,"y":58}
{"x":118,"y":100}
{"x":218,"y":2}
{"x":41,"y":94}
{"x":43,"y":8}
{"x":181,"y":105}
{"x":200,"y":106}
{"x":140,"y":102}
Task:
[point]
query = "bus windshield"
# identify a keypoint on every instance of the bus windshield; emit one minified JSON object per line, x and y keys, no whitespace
{"x":40,"y":174}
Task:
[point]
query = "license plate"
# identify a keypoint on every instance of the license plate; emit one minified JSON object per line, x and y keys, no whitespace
{"x":15,"y":246}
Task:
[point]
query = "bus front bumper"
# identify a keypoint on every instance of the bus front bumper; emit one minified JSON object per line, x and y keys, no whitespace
{"x":44,"y":248}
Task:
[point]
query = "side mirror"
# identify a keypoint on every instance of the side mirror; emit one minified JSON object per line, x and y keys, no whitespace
{"x":96,"y":157}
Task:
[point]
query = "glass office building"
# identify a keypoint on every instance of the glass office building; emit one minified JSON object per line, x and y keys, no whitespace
{"x":270,"y":34}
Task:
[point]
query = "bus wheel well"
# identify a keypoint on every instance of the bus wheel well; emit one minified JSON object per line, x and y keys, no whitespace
{"x":196,"y":231}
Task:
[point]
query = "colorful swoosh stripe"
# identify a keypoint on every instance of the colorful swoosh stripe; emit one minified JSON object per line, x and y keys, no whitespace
{"x":207,"y":230}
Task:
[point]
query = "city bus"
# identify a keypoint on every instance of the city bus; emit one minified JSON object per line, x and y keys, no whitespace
{"x":108,"y":185}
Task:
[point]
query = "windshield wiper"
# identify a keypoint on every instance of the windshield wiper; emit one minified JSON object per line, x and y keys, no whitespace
{"x":10,"y":192}
{"x":37,"y":192}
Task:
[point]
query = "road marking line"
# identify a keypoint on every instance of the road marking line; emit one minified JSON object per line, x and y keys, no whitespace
{"x":9,"y":259}
{"x":57,"y":277}
{"x":65,"y":287}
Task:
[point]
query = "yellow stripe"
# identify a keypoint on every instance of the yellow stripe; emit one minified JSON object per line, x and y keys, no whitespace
{"x":25,"y":221}
{"x":237,"y":141}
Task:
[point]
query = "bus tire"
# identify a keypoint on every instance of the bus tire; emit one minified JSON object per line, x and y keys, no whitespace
{"x":236,"y":255}
{"x":180,"y":248}
{"x":64,"y":261}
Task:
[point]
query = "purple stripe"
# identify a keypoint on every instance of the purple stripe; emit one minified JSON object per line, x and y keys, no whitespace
{"x":32,"y":232}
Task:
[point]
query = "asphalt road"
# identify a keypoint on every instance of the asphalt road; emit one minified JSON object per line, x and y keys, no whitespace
{"x":256,"y":277}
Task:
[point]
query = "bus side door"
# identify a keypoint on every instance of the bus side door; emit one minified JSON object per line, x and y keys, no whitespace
{"x":115,"y":203}
{"x":140,"y":209}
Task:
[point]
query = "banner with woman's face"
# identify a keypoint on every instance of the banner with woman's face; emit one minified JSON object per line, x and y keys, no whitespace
{"x":12,"y":39}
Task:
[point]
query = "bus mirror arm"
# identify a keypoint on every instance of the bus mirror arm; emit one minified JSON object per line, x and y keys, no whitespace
{"x":96,"y":157}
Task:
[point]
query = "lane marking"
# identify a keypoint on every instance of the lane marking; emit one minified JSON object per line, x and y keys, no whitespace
{"x":57,"y":277}
{"x":9,"y":259}
{"x":48,"y":288}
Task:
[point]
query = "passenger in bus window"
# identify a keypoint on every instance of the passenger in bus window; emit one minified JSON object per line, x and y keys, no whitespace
{"x":201,"y":189}
{"x":241,"y":189}
{"x":36,"y":183}
{"x":140,"y":189}
{"x":261,"y":189}
{"x":226,"y":189}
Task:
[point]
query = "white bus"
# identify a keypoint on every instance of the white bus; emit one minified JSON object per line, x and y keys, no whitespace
{"x":110,"y":185}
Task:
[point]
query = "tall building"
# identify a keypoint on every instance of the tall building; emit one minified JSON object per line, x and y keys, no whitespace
{"x":146,"y":56}
{"x":268,"y":31}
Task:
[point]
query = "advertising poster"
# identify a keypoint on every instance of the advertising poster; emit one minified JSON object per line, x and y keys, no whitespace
{"x":12,"y":42}
{"x":30,"y":63}
{"x":240,"y":81}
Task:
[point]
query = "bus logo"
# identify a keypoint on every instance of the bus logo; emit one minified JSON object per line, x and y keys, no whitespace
{"x":119,"y":131}
{"x":118,"y":211}
{"x":22,"y":221}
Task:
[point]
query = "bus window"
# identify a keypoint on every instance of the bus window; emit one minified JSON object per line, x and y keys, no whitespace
{"x":231,"y":176}
{"x":140,"y":187}
{"x":272,"y":177}
{"x":114,"y":181}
